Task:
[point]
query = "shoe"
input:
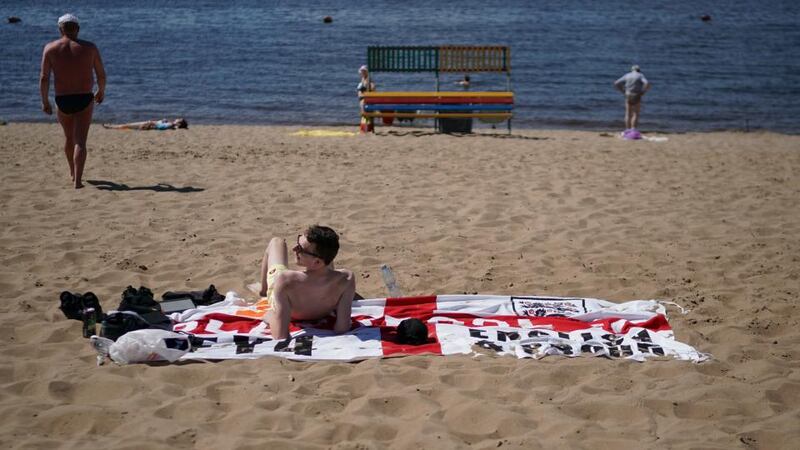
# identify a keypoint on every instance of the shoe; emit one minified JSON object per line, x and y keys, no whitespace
{"x":71,"y":305}
{"x":91,"y":301}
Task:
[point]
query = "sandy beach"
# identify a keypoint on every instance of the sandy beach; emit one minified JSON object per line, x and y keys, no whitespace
{"x":710,"y":221}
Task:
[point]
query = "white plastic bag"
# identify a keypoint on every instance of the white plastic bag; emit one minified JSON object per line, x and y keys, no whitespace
{"x":149,"y":345}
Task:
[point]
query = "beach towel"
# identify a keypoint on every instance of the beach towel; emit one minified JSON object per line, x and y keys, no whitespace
{"x":323,"y":133}
{"x":521,"y":326}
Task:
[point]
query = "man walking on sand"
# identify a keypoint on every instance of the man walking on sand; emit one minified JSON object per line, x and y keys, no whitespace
{"x":75,"y":64}
{"x":312,"y":293}
{"x":634,"y":85}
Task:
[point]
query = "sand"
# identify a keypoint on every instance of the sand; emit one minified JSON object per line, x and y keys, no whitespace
{"x":710,"y":221}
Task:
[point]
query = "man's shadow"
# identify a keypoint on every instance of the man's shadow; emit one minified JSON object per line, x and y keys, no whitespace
{"x":160,"y":187}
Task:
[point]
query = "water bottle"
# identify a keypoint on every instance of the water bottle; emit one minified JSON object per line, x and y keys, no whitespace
{"x":390,"y":282}
{"x":89,"y":323}
{"x":101,"y":345}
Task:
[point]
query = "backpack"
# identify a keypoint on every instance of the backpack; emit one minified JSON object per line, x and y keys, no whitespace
{"x":118,"y":323}
{"x":137,"y":311}
{"x":140,"y":301}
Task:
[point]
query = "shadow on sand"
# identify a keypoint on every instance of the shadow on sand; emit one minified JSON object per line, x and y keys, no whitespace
{"x":419,"y":133}
{"x":160,"y":187}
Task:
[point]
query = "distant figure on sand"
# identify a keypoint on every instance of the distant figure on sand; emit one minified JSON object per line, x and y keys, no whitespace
{"x":75,"y":65}
{"x":365,"y":85}
{"x":162,"y":124}
{"x":634,"y":85}
{"x":309,"y":294}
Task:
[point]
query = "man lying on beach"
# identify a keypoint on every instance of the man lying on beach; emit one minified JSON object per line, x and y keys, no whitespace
{"x":308,"y":294}
{"x":162,"y":124}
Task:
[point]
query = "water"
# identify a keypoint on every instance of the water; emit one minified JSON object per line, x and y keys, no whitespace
{"x":258,"y":62}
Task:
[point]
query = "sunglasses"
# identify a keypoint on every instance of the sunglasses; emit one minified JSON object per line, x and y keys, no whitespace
{"x":299,"y":249}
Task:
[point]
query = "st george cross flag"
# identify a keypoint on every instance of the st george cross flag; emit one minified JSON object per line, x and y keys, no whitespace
{"x":524,"y":326}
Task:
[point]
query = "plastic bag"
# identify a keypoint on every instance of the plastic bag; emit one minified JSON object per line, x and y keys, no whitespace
{"x":631,"y":134}
{"x":149,"y":345}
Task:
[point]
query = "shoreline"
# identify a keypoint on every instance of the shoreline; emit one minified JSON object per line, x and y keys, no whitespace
{"x":500,"y":129}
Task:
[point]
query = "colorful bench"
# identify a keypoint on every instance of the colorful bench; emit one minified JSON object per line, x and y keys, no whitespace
{"x":439,"y":105}
{"x":494,"y":106}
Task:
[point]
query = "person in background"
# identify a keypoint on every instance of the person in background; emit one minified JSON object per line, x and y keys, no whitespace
{"x":465,"y":82}
{"x":76,"y":65}
{"x":634,"y":85}
{"x":162,"y":124}
{"x":365,"y":85}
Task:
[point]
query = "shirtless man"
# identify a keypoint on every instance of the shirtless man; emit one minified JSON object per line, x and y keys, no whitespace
{"x":634,"y":85}
{"x":308,"y":294}
{"x":73,"y":62}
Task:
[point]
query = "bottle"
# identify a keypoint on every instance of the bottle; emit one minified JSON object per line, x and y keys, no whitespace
{"x":89,"y":323}
{"x":102,"y":346}
{"x":390,"y":282}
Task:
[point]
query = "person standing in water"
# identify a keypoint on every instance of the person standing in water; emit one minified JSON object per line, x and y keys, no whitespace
{"x":76,"y":65}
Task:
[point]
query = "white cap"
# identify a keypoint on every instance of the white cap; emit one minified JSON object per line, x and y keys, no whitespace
{"x":635,"y":68}
{"x":362,"y":68}
{"x":68,"y":18}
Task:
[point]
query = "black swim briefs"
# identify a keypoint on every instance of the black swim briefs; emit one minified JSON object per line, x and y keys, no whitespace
{"x":73,"y":103}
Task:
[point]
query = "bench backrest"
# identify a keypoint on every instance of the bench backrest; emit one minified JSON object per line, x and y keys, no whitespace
{"x":447,"y":58}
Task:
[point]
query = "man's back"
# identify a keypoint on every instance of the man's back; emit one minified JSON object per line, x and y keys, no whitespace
{"x":72,"y":62}
{"x":633,"y":82}
{"x":314,"y":296}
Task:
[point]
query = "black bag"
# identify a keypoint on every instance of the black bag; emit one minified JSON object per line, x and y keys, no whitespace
{"x":207,"y":297}
{"x":140,"y":301}
{"x":118,"y":323}
{"x":72,"y":305}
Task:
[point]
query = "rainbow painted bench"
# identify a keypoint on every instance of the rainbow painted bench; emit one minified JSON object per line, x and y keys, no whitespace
{"x":492,"y":106}
{"x":440,"y":105}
